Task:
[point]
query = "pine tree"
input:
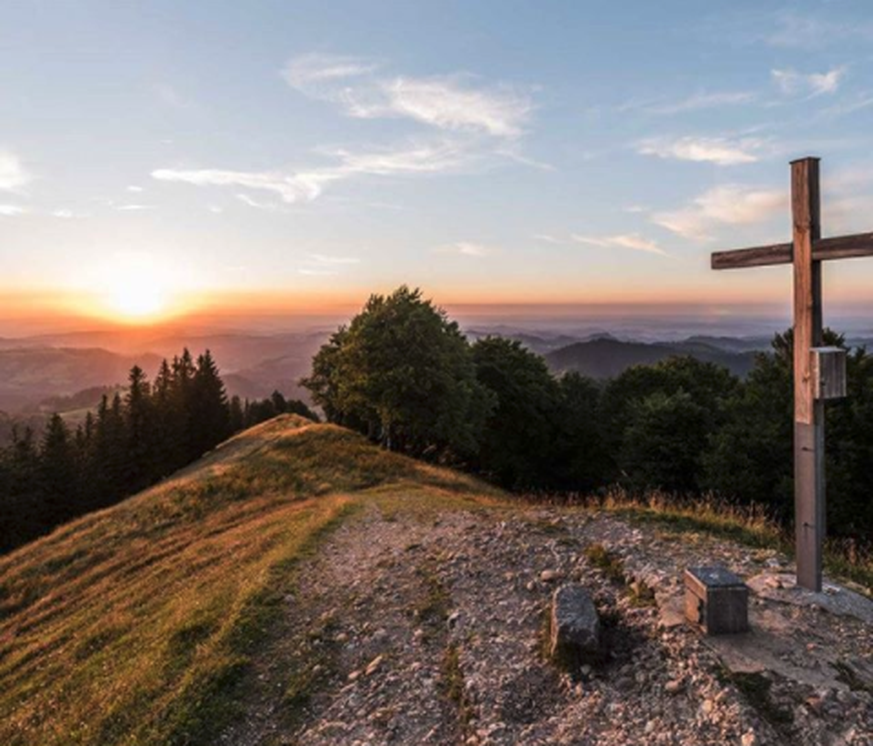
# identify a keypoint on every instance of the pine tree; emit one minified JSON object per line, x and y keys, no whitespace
{"x":210,"y":416}
{"x":236,"y":417}
{"x":58,"y":473}
{"x":139,"y":431}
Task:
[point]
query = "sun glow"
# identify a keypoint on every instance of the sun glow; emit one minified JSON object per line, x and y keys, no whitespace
{"x":139,"y":288}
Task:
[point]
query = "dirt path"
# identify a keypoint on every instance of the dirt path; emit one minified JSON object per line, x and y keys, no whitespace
{"x":427,"y":628}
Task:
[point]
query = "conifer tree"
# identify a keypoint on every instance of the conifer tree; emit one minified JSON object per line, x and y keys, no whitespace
{"x":139,"y":431}
{"x":58,"y":472}
{"x":210,"y":417}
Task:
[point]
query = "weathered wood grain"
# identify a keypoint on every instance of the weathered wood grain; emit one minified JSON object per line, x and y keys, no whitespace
{"x":823,"y":250}
{"x":808,"y":411}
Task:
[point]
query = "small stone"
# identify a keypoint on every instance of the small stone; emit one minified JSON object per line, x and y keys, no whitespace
{"x":354,"y":675}
{"x":374,"y":664}
{"x":531,"y":586}
{"x":548,"y":576}
{"x":673,"y":687}
{"x":708,"y":706}
{"x":749,"y":738}
{"x":650,"y":727}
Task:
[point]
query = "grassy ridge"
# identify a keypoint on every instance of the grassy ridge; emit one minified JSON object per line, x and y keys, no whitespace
{"x":133,"y":624}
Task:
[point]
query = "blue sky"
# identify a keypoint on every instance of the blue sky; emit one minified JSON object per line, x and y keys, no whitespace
{"x":488,"y":151}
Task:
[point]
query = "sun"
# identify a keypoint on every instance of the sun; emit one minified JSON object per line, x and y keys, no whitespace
{"x":138,"y":300}
{"x":137,"y":288}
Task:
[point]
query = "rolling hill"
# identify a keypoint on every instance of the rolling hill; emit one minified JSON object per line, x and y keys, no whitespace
{"x":607,"y":357}
{"x":299,"y":585}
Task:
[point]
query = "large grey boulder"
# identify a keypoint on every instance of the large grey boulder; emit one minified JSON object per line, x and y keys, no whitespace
{"x":575,"y":627}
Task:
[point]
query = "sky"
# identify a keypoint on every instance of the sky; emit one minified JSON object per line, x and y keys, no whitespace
{"x":161,"y":156}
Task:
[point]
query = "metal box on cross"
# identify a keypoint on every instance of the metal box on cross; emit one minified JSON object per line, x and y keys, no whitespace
{"x":716,"y":600}
{"x":829,"y":372}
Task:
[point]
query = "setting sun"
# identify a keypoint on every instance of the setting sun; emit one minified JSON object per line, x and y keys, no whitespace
{"x":136,"y":288}
{"x":138,"y":298}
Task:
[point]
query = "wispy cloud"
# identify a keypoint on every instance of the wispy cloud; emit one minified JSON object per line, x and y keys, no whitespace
{"x":699,"y":101}
{"x":257,"y":204}
{"x":792,"y":83}
{"x":723,"y":205}
{"x":324,"y":265}
{"x":857,"y":103}
{"x":13,"y":175}
{"x":134,"y":188}
{"x":315,"y":73}
{"x":133,"y":207}
{"x":11,"y":211}
{"x":467,"y":248}
{"x":719,"y":150}
{"x":308,"y":185}
{"x":632,"y":241}
{"x":477,"y":126}
{"x":795,"y":30}
{"x":445,"y":102}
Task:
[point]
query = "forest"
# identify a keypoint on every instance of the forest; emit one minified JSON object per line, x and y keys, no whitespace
{"x":402,"y":373}
{"x":134,"y":439}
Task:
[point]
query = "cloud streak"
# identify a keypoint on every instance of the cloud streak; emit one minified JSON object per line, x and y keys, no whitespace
{"x":326,"y":265}
{"x":632,"y":241}
{"x":307,"y":185}
{"x":792,"y":83}
{"x":468,"y":249}
{"x":719,"y":150}
{"x":451,"y":103}
{"x":723,"y":205}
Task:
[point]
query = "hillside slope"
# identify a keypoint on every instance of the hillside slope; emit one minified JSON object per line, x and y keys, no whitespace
{"x":299,"y":585}
{"x":608,"y":357}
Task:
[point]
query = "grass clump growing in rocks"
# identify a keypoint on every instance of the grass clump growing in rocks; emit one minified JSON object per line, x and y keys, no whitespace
{"x":605,"y":561}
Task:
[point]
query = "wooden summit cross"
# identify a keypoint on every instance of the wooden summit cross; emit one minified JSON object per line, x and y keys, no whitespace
{"x":819,"y":373}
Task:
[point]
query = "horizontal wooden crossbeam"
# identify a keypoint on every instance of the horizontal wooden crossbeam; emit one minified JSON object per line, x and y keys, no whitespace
{"x":841,"y":247}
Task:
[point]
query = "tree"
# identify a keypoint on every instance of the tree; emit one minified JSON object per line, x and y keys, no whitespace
{"x":661,"y":447}
{"x":709,"y":386}
{"x":139,"y":431}
{"x":583,"y":462}
{"x":58,"y":472}
{"x":750,"y":459}
{"x":517,"y":447}
{"x":209,"y":416}
{"x":403,"y":373}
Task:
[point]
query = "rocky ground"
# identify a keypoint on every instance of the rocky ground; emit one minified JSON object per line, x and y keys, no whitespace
{"x":429,"y":628}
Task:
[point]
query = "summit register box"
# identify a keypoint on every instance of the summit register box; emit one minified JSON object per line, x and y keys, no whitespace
{"x":716,"y":600}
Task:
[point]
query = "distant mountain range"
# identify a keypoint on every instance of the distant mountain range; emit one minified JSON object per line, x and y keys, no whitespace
{"x":68,"y":372}
{"x":607,"y":357}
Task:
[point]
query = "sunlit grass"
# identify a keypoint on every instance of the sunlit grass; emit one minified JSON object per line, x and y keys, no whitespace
{"x":134,"y":625}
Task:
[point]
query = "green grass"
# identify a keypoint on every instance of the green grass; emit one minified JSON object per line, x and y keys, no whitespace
{"x":135,"y":625}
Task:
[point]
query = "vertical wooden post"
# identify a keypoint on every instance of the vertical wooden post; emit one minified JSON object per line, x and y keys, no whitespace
{"x":809,"y":486}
